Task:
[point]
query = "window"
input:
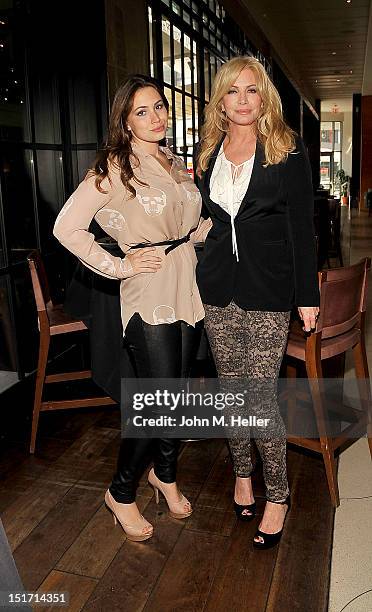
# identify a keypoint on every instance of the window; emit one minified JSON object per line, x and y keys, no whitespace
{"x":52,"y":117}
{"x":189,"y":41}
{"x":330,"y":154}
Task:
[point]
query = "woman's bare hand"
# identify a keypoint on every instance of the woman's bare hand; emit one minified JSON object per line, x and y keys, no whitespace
{"x":309,"y":315}
{"x":141,"y":261}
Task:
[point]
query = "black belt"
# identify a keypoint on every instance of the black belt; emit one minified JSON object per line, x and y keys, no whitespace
{"x":173,"y":244}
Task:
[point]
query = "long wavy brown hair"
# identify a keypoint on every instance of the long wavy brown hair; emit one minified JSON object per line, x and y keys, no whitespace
{"x":277,"y":138}
{"x":117,"y":149}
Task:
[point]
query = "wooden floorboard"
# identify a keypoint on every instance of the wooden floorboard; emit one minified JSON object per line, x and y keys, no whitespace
{"x":78,"y":588}
{"x":186,"y":579}
{"x":306,"y":544}
{"x":64,"y":538}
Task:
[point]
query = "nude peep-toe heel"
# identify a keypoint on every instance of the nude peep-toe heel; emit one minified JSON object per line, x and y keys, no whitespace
{"x":143,"y":530}
{"x":176,"y":509}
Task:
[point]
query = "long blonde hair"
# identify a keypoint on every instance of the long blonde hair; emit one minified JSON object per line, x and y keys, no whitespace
{"x":277,"y":138}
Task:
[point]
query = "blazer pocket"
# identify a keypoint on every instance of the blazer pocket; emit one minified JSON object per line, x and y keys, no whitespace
{"x":276,"y":242}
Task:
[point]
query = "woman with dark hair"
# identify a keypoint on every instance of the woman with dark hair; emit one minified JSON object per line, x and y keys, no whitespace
{"x":259,"y":261}
{"x":141,"y":194}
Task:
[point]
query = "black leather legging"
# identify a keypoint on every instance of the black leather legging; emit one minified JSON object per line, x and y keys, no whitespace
{"x":158,"y":351}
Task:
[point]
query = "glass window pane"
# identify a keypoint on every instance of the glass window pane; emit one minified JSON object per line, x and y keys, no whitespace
{"x":25,"y":316}
{"x":14,"y":104}
{"x":337,"y":146}
{"x":175,"y":8}
{"x":168,"y":95}
{"x":196,"y":121}
{"x":189,"y":125}
{"x":81,"y":162}
{"x":207,"y":83}
{"x":179,"y":123}
{"x":326,"y":136}
{"x":166,"y":43}
{"x":8,"y":360}
{"x":325,"y":171}
{"x":51,"y":193}
{"x":195,"y":66}
{"x":177,"y":57}
{"x":83,"y":111}
{"x":46,"y":110}
{"x":18,"y":203}
{"x":336,"y":168}
{"x":213,"y":66}
{"x":151,"y":45}
{"x":186,"y":17}
{"x":187,"y":63}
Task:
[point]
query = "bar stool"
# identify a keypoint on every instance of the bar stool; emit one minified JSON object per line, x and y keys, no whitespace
{"x":53,"y":321}
{"x":340,"y":327}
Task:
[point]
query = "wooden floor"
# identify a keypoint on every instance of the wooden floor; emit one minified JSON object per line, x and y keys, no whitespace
{"x":64,"y":539}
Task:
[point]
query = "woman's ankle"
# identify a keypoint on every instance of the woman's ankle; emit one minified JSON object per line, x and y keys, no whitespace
{"x":243,"y":492}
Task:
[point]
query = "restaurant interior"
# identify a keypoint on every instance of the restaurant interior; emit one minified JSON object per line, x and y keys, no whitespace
{"x":60,"y":383}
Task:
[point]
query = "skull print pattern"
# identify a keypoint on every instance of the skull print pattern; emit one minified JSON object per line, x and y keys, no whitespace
{"x":152,"y":199}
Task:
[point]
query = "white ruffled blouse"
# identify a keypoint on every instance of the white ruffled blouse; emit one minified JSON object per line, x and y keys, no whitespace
{"x":228,"y":186}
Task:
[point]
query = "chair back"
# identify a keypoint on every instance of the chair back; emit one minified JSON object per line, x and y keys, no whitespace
{"x":39,"y":281}
{"x":343,"y":294}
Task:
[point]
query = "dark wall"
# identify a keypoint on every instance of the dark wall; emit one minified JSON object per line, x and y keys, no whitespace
{"x":291,"y":99}
{"x":300,"y":118}
{"x":311,"y":136}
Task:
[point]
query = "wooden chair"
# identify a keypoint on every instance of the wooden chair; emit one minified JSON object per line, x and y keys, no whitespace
{"x":340,"y":327}
{"x":53,"y":321}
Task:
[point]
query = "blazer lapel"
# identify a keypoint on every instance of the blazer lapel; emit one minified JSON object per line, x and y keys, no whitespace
{"x":255,"y":177}
{"x":206,"y":179}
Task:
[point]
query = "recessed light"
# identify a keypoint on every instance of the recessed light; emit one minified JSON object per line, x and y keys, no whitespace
{"x":334,"y":52}
{"x":316,"y":80}
{"x":350,"y":46}
{"x":351,"y":72}
{"x":348,"y":1}
{"x":338,"y":80}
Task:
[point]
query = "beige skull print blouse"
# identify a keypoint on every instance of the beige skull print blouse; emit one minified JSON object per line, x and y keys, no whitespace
{"x":167,"y":208}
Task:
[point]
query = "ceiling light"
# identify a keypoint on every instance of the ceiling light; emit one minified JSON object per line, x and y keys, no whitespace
{"x":334,"y":52}
{"x":348,"y":1}
{"x":350,"y":46}
{"x":351,"y":72}
{"x":316,"y":80}
{"x":338,"y":80}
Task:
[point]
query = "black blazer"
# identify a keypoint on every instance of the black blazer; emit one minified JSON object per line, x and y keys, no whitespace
{"x":275,"y":235}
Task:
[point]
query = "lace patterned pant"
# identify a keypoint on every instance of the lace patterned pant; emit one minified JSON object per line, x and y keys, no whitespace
{"x":248,"y":346}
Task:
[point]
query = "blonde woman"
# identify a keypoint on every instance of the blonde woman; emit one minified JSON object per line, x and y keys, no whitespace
{"x":259,"y":259}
